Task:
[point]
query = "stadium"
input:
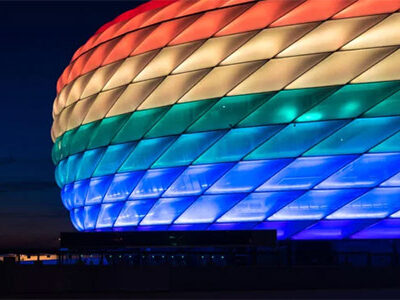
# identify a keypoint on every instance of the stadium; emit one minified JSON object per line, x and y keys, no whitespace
{"x":234,"y":115}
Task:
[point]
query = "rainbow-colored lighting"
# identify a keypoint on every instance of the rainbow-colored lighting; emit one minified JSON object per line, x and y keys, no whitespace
{"x":235,"y":114}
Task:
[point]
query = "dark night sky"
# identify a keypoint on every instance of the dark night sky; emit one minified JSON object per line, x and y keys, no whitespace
{"x":37,"y":42}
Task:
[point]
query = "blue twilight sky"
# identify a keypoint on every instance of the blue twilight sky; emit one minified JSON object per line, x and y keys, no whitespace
{"x":37,"y":42}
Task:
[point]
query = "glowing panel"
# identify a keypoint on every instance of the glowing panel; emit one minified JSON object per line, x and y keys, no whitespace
{"x":124,"y":47}
{"x":367,"y":171}
{"x":393,"y":181}
{"x":276,"y":74}
{"x":98,"y":187}
{"x":72,"y":165}
{"x":331,"y":230}
{"x":268,"y":43}
{"x":385,"y":229}
{"x":90,"y":216}
{"x":208,"y":24}
{"x":357,"y":136}
{"x":392,"y":144}
{"x":284,"y":229}
{"x":258,"y":206}
{"x":220,"y":48}
{"x":164,"y":33}
{"x":340,"y":67}
{"x":259,"y":16}
{"x":312,"y":10}
{"x":368,"y":7}
{"x":133,"y":212}
{"x":388,"y":107}
{"x":79,"y":193}
{"x":316,"y":204}
{"x":129,"y":69}
{"x":172,"y":88}
{"x":101,"y":104}
{"x":166,"y":210}
{"x":108,"y":214}
{"x":228,"y":111}
{"x":196,"y":179}
{"x":350,"y":101}
{"x":77,"y":218}
{"x":331,"y":35}
{"x":285,"y":106}
{"x":376,"y":204}
{"x":187,"y":148}
{"x":295,"y":139}
{"x":211,"y":86}
{"x":89,"y":162}
{"x":207,"y":209}
{"x":98,"y":80}
{"x":106,"y":130}
{"x":166,"y":61}
{"x":133,"y":96}
{"x":122,"y":186}
{"x":113,"y":158}
{"x":138,"y":124}
{"x":145,"y":153}
{"x":305,"y":172}
{"x":78,"y":112}
{"x":67,"y":194}
{"x":380,"y":35}
{"x":383,"y":70}
{"x":179,"y":117}
{"x":245,"y":176}
{"x":236,"y":144}
{"x":155,"y":182}
{"x":77,"y":88}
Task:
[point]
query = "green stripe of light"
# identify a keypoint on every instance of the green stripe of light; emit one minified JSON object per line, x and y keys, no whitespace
{"x":312,"y":104}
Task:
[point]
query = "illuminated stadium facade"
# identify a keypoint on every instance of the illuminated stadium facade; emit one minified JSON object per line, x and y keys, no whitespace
{"x":235,"y":114}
